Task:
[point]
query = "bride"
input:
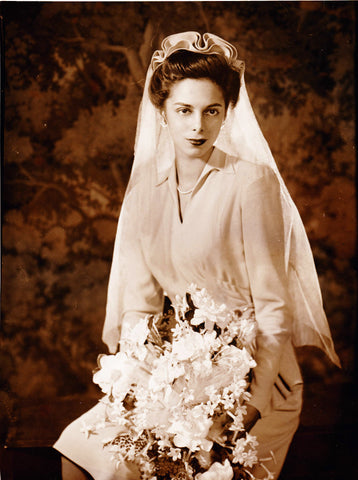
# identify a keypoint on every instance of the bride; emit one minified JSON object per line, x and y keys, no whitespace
{"x":206,"y":205}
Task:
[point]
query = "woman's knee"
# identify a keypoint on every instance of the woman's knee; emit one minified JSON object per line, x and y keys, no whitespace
{"x":71,"y":471}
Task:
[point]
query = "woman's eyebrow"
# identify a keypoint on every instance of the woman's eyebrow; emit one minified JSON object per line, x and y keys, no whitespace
{"x":215,"y":105}
{"x":188,"y":105}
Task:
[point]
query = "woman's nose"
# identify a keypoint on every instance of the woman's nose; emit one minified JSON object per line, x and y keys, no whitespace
{"x":197,"y":123}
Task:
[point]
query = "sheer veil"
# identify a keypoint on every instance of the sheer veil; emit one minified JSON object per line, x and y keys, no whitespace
{"x":241,"y":137}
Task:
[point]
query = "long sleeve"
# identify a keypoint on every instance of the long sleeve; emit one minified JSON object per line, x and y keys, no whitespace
{"x":263,"y":235}
{"x":133,"y":292}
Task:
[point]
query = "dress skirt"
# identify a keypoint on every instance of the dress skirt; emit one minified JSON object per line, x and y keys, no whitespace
{"x":86,"y":449}
{"x":274,"y":433}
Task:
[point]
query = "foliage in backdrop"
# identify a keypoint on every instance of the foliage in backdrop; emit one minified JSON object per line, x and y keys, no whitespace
{"x":74,"y":76}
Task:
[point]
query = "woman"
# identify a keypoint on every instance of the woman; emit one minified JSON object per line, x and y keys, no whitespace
{"x":206,"y":205}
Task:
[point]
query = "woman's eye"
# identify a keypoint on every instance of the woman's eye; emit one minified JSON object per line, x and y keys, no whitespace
{"x":212,"y":111}
{"x":183,"y":111}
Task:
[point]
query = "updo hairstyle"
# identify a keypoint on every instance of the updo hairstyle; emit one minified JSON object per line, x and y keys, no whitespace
{"x":184,"y":64}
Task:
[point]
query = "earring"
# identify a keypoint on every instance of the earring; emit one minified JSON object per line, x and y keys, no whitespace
{"x":163,"y":121}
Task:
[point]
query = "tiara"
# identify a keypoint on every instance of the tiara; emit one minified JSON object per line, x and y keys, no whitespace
{"x":194,"y":42}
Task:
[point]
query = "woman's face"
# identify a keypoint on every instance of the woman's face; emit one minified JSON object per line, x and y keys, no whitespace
{"x":194,"y":111}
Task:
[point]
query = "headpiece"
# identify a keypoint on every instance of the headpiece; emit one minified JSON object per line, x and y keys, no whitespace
{"x":194,"y":42}
{"x":242,"y":138}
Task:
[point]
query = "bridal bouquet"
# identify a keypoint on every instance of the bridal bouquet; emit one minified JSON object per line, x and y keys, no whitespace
{"x":177,"y":391}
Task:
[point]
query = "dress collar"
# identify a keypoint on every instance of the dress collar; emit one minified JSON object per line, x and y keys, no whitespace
{"x":218,"y":160}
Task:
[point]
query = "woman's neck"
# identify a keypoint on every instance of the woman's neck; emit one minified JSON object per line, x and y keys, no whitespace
{"x":189,"y":170}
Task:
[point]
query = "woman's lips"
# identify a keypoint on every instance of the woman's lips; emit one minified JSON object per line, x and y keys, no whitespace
{"x":196,"y":142}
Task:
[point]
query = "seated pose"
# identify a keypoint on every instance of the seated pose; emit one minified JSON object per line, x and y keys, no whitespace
{"x":205,"y":204}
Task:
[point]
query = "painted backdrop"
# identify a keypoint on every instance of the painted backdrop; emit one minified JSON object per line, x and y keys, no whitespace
{"x":74,"y":75}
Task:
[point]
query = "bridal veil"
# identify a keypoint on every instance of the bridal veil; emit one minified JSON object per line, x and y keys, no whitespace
{"x":240,"y":137}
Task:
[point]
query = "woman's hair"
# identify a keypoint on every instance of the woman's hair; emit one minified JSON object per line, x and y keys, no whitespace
{"x":184,"y":64}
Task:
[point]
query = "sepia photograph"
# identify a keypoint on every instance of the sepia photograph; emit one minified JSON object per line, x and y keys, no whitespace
{"x":178,"y":240}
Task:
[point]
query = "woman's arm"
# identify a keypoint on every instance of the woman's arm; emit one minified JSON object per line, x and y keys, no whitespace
{"x":264,"y":246}
{"x":133,"y":292}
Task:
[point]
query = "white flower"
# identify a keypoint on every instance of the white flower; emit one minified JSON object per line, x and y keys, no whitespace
{"x":207,"y":310}
{"x":175,"y":453}
{"x":156,"y":411}
{"x":193,"y":344}
{"x":138,"y":334}
{"x":238,"y":421}
{"x":202,"y":366}
{"x":217,"y":471}
{"x":245,"y":451}
{"x":248,"y":328}
{"x":180,"y":306}
{"x":166,"y":370}
{"x":133,"y":340}
{"x":192,"y":430}
{"x":117,"y":374}
{"x":110,"y":370}
{"x":87,"y":429}
{"x":236,"y":359}
{"x":164,"y":443}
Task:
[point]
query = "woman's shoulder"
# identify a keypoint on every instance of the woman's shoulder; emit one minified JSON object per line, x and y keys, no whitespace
{"x":250,"y":171}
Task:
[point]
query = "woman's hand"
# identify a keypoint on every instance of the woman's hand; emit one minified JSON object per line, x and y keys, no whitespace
{"x":219,"y":431}
{"x":251,"y":417}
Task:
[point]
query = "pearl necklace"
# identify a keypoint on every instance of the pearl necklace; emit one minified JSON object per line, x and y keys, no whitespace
{"x":185,"y":192}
